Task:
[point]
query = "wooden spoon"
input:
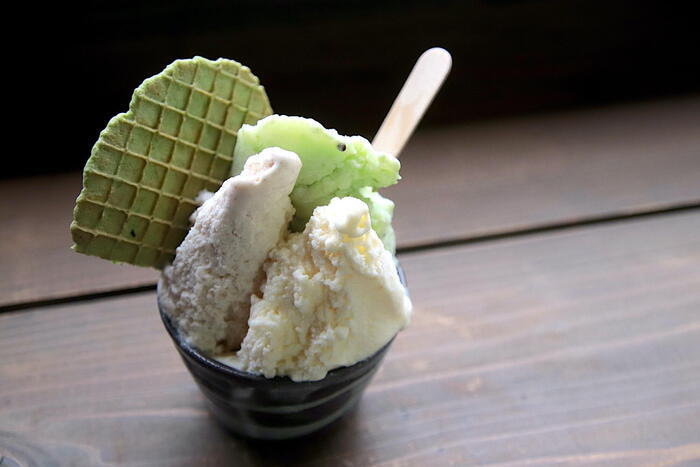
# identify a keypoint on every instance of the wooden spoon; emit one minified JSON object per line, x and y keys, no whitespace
{"x":413,"y":100}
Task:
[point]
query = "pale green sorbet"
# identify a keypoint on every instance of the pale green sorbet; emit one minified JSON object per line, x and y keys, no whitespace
{"x":332,"y":165}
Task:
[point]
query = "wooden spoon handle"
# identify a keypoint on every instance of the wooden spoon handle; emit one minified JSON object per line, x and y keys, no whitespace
{"x":417,"y":93}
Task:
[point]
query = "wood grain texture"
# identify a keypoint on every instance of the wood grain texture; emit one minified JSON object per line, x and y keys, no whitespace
{"x":579,"y":347}
{"x":457,"y":183}
{"x":502,"y":176}
{"x":37,"y":262}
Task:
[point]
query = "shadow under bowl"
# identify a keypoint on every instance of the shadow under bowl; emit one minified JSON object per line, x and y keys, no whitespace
{"x":275,"y":408}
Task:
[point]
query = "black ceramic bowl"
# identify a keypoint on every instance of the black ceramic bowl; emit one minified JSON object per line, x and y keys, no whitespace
{"x":275,"y":408}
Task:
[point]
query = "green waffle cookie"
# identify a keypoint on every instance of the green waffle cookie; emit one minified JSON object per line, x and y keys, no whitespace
{"x":150,"y":163}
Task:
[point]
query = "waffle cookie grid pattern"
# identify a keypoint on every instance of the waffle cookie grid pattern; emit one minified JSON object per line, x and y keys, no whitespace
{"x":150,"y":163}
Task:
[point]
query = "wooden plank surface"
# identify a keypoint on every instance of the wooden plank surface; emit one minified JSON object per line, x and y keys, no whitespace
{"x":578,"y":346}
{"x":37,"y":262}
{"x":507,"y":175}
{"x":460,"y":182}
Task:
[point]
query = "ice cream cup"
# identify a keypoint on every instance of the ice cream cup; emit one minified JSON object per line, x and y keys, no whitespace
{"x":275,"y":408}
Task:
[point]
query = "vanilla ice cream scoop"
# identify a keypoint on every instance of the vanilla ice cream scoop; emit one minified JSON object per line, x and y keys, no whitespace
{"x":206,"y":290}
{"x":332,"y":297}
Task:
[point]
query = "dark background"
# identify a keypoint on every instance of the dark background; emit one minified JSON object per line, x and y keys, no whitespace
{"x":342,"y":63}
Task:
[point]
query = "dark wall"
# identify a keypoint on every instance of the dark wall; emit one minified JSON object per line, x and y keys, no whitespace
{"x":343,"y":62}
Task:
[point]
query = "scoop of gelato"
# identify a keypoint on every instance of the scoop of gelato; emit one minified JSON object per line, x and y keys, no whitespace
{"x":206,"y":290}
{"x":333,"y":165}
{"x":332,"y":297}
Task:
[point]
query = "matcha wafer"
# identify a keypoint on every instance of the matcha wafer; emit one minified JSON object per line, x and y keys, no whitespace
{"x":150,"y":163}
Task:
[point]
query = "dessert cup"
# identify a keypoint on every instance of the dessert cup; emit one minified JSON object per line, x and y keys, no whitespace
{"x":275,"y":408}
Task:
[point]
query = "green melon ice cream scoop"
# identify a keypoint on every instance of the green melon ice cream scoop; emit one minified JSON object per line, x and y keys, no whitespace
{"x":333,"y":165}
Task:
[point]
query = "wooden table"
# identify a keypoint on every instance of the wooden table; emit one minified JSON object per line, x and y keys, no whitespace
{"x":554,"y":265}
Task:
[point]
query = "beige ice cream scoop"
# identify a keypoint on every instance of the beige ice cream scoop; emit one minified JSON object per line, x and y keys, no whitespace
{"x":332,"y":297}
{"x":207,"y":288}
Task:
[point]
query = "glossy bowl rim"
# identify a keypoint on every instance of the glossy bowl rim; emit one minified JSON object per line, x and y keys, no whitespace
{"x":336,"y":374}
{"x":231,"y":372}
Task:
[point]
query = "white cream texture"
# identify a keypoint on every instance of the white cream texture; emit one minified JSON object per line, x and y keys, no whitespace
{"x":332,"y":297}
{"x":207,"y":289}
